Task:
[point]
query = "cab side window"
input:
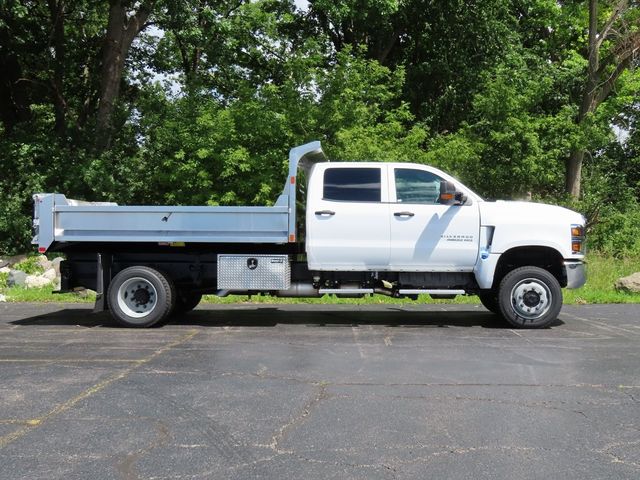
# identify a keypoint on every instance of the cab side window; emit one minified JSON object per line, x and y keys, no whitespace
{"x":352,"y":184}
{"x":416,"y":186}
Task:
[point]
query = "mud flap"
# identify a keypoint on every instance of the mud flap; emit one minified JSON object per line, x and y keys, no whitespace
{"x":103,"y":278}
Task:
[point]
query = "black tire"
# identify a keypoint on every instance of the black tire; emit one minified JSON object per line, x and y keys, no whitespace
{"x":186,"y":301}
{"x":490,"y":301}
{"x":140,"y":297}
{"x":530,"y":297}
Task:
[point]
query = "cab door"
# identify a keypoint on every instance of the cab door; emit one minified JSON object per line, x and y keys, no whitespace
{"x":348,"y":217}
{"x":425,"y":234}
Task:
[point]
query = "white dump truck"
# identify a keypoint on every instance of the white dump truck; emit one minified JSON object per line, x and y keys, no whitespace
{"x":344,"y":228}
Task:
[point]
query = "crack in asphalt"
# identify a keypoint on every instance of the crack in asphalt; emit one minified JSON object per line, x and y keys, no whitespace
{"x":126,"y":467}
{"x":313,"y":381}
{"x":616,"y":458}
{"x":216,"y":435}
{"x":280,"y":435}
{"x":69,"y":404}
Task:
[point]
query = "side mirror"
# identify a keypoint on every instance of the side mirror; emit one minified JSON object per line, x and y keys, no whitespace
{"x":449,"y":195}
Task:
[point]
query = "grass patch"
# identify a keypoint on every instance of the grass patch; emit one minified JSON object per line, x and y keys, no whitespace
{"x":333,"y":300}
{"x":602,"y":272}
{"x":30,"y":265}
{"x":44,"y":295}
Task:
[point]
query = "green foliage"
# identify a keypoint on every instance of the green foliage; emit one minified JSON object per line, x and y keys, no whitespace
{"x":199,"y":151}
{"x":444,"y":46}
{"x":3,"y":280}
{"x":214,"y":95}
{"x":517,"y":142}
{"x":617,"y":232}
{"x":30,"y":266}
{"x":21,"y":178}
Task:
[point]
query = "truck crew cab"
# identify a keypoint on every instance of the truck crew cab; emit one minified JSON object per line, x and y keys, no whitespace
{"x":396,"y":229}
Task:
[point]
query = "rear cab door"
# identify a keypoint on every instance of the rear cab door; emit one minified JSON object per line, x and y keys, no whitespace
{"x":347,"y":218}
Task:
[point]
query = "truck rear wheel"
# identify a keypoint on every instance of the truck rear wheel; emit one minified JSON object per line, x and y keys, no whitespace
{"x":140,"y":297}
{"x":530,"y":297}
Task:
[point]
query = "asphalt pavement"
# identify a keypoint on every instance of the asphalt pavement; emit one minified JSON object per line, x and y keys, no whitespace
{"x":319,"y":392}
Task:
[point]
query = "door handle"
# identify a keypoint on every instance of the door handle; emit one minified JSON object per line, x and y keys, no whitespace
{"x":404,"y":214}
{"x":325,"y":212}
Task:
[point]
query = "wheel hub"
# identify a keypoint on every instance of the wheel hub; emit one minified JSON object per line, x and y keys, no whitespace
{"x":137,"y":297}
{"x":141,"y":296}
{"x":531,"y":298}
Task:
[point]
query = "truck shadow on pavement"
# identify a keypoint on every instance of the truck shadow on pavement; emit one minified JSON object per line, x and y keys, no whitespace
{"x":273,"y":316}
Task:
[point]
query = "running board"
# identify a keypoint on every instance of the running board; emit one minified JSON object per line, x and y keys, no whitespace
{"x":353,"y":291}
{"x":347,"y":291}
{"x":430,"y":292}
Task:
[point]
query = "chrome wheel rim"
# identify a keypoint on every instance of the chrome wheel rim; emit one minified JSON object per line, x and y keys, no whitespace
{"x":137,"y":297}
{"x":531,"y":298}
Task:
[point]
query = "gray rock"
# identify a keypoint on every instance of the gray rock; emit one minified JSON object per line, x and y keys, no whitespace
{"x":44,"y":262}
{"x":81,"y":292}
{"x":36,"y":281}
{"x":55,"y":263}
{"x":16,"y":278}
{"x":3,"y":263}
{"x":630,"y":284}
{"x":15,"y":259}
{"x":50,"y":274}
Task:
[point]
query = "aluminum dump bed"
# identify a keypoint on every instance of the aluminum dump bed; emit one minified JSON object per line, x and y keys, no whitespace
{"x":58,"y":219}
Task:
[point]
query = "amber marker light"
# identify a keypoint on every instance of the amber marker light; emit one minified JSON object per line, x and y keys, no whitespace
{"x":577,"y":238}
{"x":577,"y":231}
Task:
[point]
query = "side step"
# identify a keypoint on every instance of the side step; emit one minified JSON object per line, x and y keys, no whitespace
{"x":353,"y":291}
{"x":430,"y":292}
{"x":345,"y":291}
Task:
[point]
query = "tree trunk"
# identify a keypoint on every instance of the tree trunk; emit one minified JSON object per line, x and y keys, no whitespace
{"x":574,"y":173}
{"x":56,"y":10}
{"x":112,"y":66}
{"x":121,"y":31}
{"x":602,"y":74}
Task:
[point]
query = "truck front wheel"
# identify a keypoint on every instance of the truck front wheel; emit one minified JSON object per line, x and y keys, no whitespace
{"x":490,"y":301}
{"x":140,"y":297}
{"x":530,"y":297}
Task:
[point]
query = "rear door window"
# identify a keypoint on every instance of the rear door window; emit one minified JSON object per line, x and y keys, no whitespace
{"x":352,"y":184}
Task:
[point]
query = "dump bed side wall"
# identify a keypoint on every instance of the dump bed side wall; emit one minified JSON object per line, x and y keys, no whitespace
{"x":172,"y":224}
{"x":57,"y":221}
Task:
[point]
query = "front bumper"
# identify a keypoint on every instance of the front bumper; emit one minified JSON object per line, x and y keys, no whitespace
{"x":576,"y":274}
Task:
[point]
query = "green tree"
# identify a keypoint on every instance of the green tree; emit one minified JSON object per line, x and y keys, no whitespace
{"x":612,"y":45}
